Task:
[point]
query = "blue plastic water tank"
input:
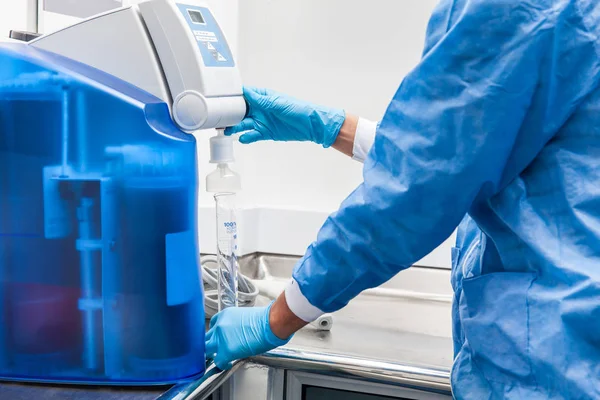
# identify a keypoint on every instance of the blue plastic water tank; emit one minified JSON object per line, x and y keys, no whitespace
{"x":99,"y":251}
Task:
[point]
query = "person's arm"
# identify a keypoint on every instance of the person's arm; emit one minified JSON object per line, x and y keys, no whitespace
{"x":444,"y":141}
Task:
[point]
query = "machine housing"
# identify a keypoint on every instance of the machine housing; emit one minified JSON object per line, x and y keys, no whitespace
{"x":99,"y":254}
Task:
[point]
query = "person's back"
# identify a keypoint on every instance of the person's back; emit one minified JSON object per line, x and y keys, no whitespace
{"x":526,"y":270}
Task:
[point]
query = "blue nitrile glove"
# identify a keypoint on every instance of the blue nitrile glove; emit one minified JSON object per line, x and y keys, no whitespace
{"x":274,"y":116}
{"x":240,"y":332}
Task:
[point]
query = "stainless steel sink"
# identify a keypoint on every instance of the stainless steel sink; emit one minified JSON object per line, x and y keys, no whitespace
{"x":267,"y":266}
{"x":410,"y":322}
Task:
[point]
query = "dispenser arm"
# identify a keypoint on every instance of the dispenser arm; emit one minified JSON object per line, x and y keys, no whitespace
{"x":198,"y":65}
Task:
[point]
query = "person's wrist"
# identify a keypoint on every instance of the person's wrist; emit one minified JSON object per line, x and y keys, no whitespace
{"x":282,"y":321}
{"x":332,"y":124}
{"x":344,"y":141}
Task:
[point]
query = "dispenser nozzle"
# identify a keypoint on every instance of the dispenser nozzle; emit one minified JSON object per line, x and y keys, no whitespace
{"x":221,"y":148}
{"x":223,"y":179}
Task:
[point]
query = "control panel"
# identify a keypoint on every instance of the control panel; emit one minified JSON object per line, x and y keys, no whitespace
{"x":211,"y":42}
{"x":198,"y":65}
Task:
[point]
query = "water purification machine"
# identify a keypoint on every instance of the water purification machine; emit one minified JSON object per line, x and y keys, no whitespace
{"x":99,"y":255}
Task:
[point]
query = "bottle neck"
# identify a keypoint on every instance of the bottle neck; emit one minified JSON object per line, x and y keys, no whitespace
{"x":223,"y":179}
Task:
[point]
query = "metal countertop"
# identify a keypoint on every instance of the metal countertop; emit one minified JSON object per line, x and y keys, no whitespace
{"x":375,"y":349}
{"x":383,"y":342}
{"x":394,"y":339}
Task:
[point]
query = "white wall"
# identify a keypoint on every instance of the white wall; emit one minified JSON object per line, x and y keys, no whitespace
{"x":17,"y":15}
{"x":342,"y":53}
{"x":345,"y":53}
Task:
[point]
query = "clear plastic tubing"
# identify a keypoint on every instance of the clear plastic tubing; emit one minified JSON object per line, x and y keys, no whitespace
{"x":227,"y":250}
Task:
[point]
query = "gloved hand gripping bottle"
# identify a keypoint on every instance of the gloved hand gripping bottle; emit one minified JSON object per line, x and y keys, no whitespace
{"x":225,"y":183}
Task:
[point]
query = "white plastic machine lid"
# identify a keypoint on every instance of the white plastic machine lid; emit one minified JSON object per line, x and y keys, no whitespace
{"x":173,"y":50}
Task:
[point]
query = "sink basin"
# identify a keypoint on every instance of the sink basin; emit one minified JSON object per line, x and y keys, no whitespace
{"x":397,"y":326}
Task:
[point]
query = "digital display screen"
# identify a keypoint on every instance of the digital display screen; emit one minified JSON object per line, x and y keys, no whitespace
{"x":196,"y":17}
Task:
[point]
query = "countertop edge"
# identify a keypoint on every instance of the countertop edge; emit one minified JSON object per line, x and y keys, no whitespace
{"x":428,"y":379}
{"x":395,"y":373}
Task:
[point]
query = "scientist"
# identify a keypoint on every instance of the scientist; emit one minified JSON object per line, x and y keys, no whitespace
{"x":498,"y":126}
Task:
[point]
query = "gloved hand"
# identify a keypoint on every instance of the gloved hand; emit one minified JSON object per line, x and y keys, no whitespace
{"x":240,"y":332}
{"x":274,"y":116}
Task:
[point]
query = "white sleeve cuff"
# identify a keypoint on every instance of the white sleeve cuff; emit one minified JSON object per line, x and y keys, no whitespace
{"x":299,"y":304}
{"x":364,"y":138}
